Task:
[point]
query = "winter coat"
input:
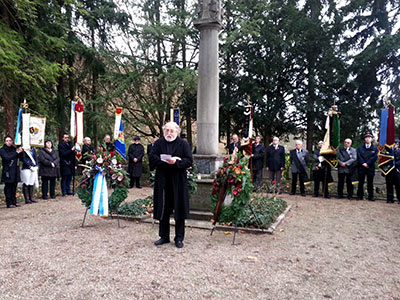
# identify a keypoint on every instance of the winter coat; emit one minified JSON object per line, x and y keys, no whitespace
{"x":135,"y":168}
{"x":67,"y":158}
{"x":10,"y":172}
{"x":45,"y":160}
{"x":258,"y":158}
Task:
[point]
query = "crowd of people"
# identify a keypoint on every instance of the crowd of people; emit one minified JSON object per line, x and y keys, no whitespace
{"x":353,"y":165}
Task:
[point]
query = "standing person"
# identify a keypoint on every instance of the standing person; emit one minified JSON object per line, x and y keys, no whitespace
{"x":48,"y":164}
{"x":67,"y":164}
{"x":392,"y":178}
{"x":171,"y":156}
{"x":366,"y":156}
{"x":321,"y":171}
{"x":149,"y":149}
{"x":257,"y":158}
{"x":29,"y":174}
{"x":347,"y":160}
{"x":108,"y":145}
{"x":235,"y":144}
{"x":275,"y":162}
{"x":299,"y":160}
{"x":10,"y":173}
{"x":135,"y":168}
{"x":87,"y":147}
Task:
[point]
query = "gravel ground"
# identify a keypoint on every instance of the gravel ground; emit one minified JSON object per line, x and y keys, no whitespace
{"x":324,"y":249}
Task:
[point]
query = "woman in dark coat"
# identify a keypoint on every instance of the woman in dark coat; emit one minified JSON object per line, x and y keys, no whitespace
{"x":171,"y":189}
{"x":48,"y":164}
{"x":135,"y":155}
{"x":10,"y":173}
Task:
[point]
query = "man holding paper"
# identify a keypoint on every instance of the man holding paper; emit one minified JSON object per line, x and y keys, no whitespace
{"x":171,"y":156}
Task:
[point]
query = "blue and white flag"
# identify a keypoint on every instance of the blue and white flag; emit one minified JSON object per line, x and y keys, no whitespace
{"x":17,"y":140}
{"x":119,"y":140}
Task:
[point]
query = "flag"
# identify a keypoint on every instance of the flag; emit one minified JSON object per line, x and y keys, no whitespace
{"x":332,"y":137}
{"x":119,"y":141}
{"x":37,"y":127}
{"x":386,"y":141}
{"x":246,"y":145}
{"x":17,"y":140}
{"x":72,"y":123}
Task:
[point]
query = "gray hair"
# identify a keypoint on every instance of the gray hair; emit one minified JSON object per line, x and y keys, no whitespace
{"x":173,"y":125}
{"x":275,"y":138}
{"x":299,"y":142}
{"x":348,"y":140}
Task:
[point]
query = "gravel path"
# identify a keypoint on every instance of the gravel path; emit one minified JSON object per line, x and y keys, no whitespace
{"x":324,"y":249}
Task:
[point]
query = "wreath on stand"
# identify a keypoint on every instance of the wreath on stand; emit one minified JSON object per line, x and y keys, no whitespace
{"x":116,"y":177}
{"x":232,"y":188}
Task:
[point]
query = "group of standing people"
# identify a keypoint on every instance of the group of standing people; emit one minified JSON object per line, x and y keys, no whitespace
{"x":353,"y":164}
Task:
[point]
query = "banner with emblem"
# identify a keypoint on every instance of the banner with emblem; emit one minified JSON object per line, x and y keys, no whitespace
{"x":119,"y":140}
{"x":332,"y":137}
{"x":247,"y":142}
{"x":386,"y":141}
{"x":37,"y":127}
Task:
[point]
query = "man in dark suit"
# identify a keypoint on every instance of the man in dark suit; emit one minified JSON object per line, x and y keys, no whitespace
{"x":235,"y":143}
{"x":347,"y":160}
{"x":257,"y":159}
{"x":321,"y":172}
{"x":149,"y":149}
{"x":366,"y":156}
{"x":66,"y":151}
{"x":393,"y":177}
{"x":135,"y":167}
{"x":275,"y":162}
{"x":299,"y":159}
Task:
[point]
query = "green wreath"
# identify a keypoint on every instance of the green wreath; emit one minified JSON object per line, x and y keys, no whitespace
{"x":236,"y":174}
{"x":117,"y":178}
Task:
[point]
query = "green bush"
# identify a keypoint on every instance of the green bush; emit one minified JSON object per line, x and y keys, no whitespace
{"x":138,"y":207}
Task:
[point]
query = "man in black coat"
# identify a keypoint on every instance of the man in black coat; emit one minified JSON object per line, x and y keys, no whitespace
{"x":299,"y":160}
{"x":257,"y":160}
{"x":149,"y":149}
{"x":171,"y":156}
{"x":366,"y":156}
{"x":235,"y":144}
{"x":393,"y":178}
{"x":108,"y":145}
{"x":135,"y":167}
{"x":67,"y":164}
{"x":10,"y":173}
{"x":275,"y":162}
{"x":87,"y":148}
{"x":321,"y":172}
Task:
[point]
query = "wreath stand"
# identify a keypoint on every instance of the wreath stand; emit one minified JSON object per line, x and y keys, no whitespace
{"x":84,"y":218}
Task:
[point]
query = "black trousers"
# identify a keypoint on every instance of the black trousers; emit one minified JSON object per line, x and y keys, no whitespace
{"x":45,"y":186}
{"x":370,"y":186}
{"x":392,"y":179}
{"x":342,"y":177}
{"x":294,"y":183}
{"x":179,"y":229}
{"x":321,"y":177}
{"x":134,"y":180}
{"x":10,"y":191}
{"x":257,"y":178}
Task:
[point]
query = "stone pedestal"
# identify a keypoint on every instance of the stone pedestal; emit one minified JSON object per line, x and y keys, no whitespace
{"x":207,"y":164}
{"x":200,"y":201}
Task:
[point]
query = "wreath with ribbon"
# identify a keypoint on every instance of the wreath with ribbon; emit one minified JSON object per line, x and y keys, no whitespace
{"x":232,"y":181}
{"x":109,"y":165}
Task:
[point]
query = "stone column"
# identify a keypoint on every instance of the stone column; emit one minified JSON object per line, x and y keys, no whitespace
{"x":209,"y":24}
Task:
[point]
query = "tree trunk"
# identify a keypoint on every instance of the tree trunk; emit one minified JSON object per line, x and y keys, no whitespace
{"x":9,"y":111}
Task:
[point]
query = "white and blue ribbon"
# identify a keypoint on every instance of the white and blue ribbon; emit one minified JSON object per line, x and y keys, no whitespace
{"x":99,"y":205}
{"x":17,"y":140}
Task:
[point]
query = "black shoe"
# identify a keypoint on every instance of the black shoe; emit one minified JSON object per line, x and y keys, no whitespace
{"x":161,"y":241}
{"x":16,"y":204}
{"x":371,"y":199}
{"x":303,"y":194}
{"x":291,"y":193}
{"x":139,"y":187}
{"x":328,"y":197}
{"x":179,"y":244}
{"x":359,"y":198}
{"x":339,"y":197}
{"x":45,"y":197}
{"x":53,"y":196}
{"x":390,"y":201}
{"x":11,"y":206}
{"x":70,"y":194}
{"x":349,"y":197}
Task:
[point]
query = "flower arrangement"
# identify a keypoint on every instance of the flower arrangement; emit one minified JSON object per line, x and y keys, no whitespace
{"x":235,"y":174}
{"x":111,"y":166}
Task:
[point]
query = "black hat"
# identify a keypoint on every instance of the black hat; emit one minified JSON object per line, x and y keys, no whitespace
{"x":136,"y":138}
{"x":368,"y":134}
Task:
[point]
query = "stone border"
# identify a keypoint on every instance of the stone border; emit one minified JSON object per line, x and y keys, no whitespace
{"x":207,"y":224}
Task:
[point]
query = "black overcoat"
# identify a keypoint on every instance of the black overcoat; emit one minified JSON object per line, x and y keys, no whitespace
{"x":10,"y":172}
{"x":67,"y":158}
{"x":45,"y":160}
{"x":258,"y":158}
{"x":368,"y":156}
{"x":275,"y":158}
{"x":135,"y":168}
{"x":149,"y":149}
{"x":171,"y":177}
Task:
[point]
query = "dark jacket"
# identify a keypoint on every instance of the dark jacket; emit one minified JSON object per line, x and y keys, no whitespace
{"x":135,"y":168}
{"x":299,"y":165}
{"x":149,"y":149}
{"x":87,"y":149}
{"x":45,"y":160}
{"x":258,"y":158}
{"x":27,"y":162}
{"x":397,"y":159}
{"x":10,"y":171}
{"x":67,"y":158}
{"x":368,"y":156}
{"x":171,"y":179}
{"x":275,"y":158}
{"x":231,"y":147}
{"x":321,"y":171}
